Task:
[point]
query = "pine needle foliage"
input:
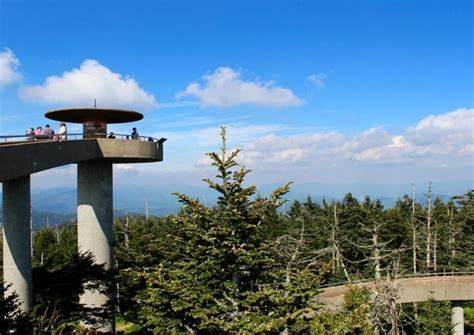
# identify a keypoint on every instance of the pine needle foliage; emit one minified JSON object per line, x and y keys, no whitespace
{"x":225,"y":280}
{"x":12,"y":319}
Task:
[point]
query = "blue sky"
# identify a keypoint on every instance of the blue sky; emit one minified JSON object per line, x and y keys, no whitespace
{"x":314,"y":91}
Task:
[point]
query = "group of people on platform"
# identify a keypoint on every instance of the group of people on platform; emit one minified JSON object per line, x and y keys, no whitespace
{"x":47,"y":133}
{"x":134,"y":135}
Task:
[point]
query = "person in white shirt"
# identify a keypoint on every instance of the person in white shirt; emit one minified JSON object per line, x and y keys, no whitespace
{"x":62,"y":131}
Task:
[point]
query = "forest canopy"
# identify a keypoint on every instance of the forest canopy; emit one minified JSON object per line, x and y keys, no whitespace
{"x":244,"y":265}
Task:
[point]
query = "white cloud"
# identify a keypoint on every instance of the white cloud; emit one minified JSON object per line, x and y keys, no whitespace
{"x":467,"y":150}
{"x":8,"y":67}
{"x":449,"y":134}
{"x":124,"y":167}
{"x":374,"y":155}
{"x":452,"y":127}
{"x":91,"y":81}
{"x":318,"y":79}
{"x":434,"y":139}
{"x":291,"y":155}
{"x":365,"y":140}
{"x":209,"y":136}
{"x":179,"y":104}
{"x":225,"y":88}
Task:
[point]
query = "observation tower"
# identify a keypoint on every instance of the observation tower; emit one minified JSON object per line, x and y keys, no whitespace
{"x":94,"y":153}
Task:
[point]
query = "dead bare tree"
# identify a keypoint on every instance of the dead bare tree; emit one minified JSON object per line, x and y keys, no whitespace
{"x":126,"y":232}
{"x":337,"y":258}
{"x":452,"y":241}
{"x":435,"y":248}
{"x":413,"y":227}
{"x":298,"y":245}
{"x":428,"y":230}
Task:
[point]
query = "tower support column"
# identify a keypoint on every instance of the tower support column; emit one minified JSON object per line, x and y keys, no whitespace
{"x":95,"y":223}
{"x":457,"y":317}
{"x":17,"y":240}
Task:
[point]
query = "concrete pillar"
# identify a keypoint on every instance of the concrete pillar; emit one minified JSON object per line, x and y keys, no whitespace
{"x":457,"y":317}
{"x":17,"y":239}
{"x":95,"y":222}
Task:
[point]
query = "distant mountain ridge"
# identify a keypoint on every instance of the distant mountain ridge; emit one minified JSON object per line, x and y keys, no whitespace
{"x":57,"y":205}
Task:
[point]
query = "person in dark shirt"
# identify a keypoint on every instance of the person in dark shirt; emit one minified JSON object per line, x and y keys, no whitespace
{"x":48,"y":131}
{"x":135,"y":135}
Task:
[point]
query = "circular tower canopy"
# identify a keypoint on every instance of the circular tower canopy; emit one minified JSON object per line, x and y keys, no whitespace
{"x":88,"y":114}
{"x":94,"y":120}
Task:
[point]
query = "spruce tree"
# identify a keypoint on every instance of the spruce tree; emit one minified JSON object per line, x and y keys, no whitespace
{"x":12,"y":319}
{"x":226,"y":279}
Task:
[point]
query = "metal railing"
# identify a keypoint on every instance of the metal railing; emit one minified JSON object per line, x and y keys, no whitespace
{"x":74,"y":136}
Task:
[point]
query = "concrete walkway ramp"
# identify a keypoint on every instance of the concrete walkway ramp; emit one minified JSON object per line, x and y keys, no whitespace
{"x":24,"y":158}
{"x":416,"y":289}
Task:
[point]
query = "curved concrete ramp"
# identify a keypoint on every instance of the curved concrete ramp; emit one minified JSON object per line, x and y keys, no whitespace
{"x":24,"y":158}
{"x":417,"y":289}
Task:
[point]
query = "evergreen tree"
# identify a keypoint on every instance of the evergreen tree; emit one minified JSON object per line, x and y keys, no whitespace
{"x":464,"y":231}
{"x":434,"y":317}
{"x":12,"y":318}
{"x":226,"y":280}
{"x":59,"y":277}
{"x":140,"y":244}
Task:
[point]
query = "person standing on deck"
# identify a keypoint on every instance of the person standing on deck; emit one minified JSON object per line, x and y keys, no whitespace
{"x":135,"y":135}
{"x":62,"y":131}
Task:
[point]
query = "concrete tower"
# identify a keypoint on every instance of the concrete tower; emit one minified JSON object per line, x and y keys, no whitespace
{"x":95,"y":154}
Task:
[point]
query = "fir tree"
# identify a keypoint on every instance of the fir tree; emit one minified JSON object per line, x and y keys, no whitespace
{"x":12,"y":318}
{"x":226,"y":279}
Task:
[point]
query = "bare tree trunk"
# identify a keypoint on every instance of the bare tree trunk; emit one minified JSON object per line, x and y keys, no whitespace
{"x":299,"y":244}
{"x":295,"y":254}
{"x":333,"y":241}
{"x":413,"y":227}
{"x":451,"y":234}
{"x":126,"y":238}
{"x":376,"y":252}
{"x":341,"y":264}
{"x":146,"y":207}
{"x":337,"y":260}
{"x":428,"y":231}
{"x":57,"y":234}
{"x":435,"y":247}
{"x":393,"y":316}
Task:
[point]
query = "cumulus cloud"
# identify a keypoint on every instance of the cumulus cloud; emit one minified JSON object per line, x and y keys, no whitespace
{"x":452,"y":127}
{"x":434,"y":138}
{"x":367,"y":139}
{"x":8,"y":67}
{"x":291,"y":149}
{"x":225,"y":88}
{"x":91,"y":81}
{"x":443,"y":135}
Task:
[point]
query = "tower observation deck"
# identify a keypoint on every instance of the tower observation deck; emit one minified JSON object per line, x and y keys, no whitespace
{"x":94,"y":153}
